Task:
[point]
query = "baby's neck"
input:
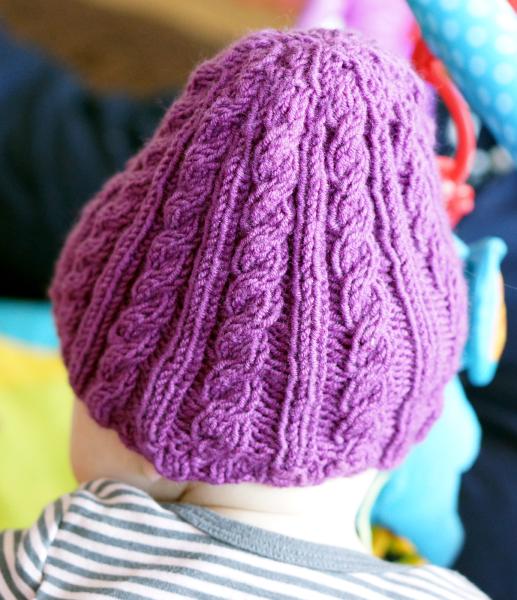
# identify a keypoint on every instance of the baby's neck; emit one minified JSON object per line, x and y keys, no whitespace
{"x":320,"y":529}
{"x":324,"y":514}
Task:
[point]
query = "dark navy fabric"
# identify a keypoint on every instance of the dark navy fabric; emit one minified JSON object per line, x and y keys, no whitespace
{"x":58,"y":143}
{"x":488,"y":501}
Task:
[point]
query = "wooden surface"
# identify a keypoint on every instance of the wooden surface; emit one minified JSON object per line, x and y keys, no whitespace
{"x":138,"y":46}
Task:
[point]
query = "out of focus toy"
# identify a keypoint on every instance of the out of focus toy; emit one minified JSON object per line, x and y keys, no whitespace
{"x":488,"y":326}
{"x":458,"y":195}
{"x":388,"y":22}
{"x":29,"y":323}
{"x":35,"y":410}
{"x":477,"y":42}
{"x":420,"y":499}
{"x":388,"y":546}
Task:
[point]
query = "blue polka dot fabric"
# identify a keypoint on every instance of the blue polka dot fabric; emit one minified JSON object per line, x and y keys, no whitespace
{"x":477,"y":41}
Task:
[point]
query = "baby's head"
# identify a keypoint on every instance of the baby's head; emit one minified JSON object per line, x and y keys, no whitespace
{"x":269,"y":292}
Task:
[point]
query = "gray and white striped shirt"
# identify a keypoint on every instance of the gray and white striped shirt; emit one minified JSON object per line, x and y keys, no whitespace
{"x":110,"y":540}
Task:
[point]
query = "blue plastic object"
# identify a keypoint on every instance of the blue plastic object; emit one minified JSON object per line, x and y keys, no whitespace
{"x":487,"y":312}
{"x":477,"y":41}
{"x":420,"y":500}
{"x":28,"y":322}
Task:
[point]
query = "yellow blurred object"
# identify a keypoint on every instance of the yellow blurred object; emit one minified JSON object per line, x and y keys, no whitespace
{"x":388,"y":546}
{"x":500,"y":338}
{"x":35,"y":413}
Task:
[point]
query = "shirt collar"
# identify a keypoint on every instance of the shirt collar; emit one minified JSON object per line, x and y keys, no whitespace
{"x":276,"y":546}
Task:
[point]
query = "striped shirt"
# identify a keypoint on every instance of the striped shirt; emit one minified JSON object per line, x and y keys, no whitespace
{"x":110,"y":540}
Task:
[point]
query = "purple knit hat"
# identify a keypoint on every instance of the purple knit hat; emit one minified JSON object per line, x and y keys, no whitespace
{"x":269,"y":292}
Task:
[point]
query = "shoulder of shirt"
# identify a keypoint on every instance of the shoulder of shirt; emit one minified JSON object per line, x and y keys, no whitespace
{"x":108,"y":488}
{"x":99,"y":498}
{"x":110,"y":500}
{"x":107,"y":494}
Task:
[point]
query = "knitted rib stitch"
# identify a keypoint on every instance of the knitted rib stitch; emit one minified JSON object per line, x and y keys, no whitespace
{"x":269,"y":292}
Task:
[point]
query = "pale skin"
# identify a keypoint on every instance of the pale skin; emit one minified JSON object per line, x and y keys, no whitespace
{"x":325,"y":514}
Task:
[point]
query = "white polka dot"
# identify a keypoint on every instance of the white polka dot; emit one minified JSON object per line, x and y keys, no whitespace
{"x":504,"y":103}
{"x":451,"y":29}
{"x":458,"y":58}
{"x":476,"y":36}
{"x":504,"y":73}
{"x":484,"y":96}
{"x":477,"y":66}
{"x":505,"y":44}
{"x":504,"y":19}
{"x":479,"y":8}
{"x":449,"y":4}
{"x":510,"y":134}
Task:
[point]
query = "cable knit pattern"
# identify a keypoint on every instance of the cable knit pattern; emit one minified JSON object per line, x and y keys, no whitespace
{"x":269,"y":292}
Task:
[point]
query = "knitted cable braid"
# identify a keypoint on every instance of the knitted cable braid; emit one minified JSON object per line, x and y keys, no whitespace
{"x":269,"y":292}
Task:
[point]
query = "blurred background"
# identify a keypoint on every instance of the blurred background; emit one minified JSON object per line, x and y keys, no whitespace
{"x":83,"y":84}
{"x":139,"y":46}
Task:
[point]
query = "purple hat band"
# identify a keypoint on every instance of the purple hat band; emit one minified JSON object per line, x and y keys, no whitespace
{"x":269,"y":292}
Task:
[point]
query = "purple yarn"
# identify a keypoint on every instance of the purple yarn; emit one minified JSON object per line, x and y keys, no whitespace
{"x":269,"y":292}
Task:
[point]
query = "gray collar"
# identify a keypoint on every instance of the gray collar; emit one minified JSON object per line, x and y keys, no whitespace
{"x":278,"y":547}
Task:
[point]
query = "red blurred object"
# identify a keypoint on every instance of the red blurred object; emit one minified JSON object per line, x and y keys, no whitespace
{"x":458,"y":195}
{"x":513,"y":3}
